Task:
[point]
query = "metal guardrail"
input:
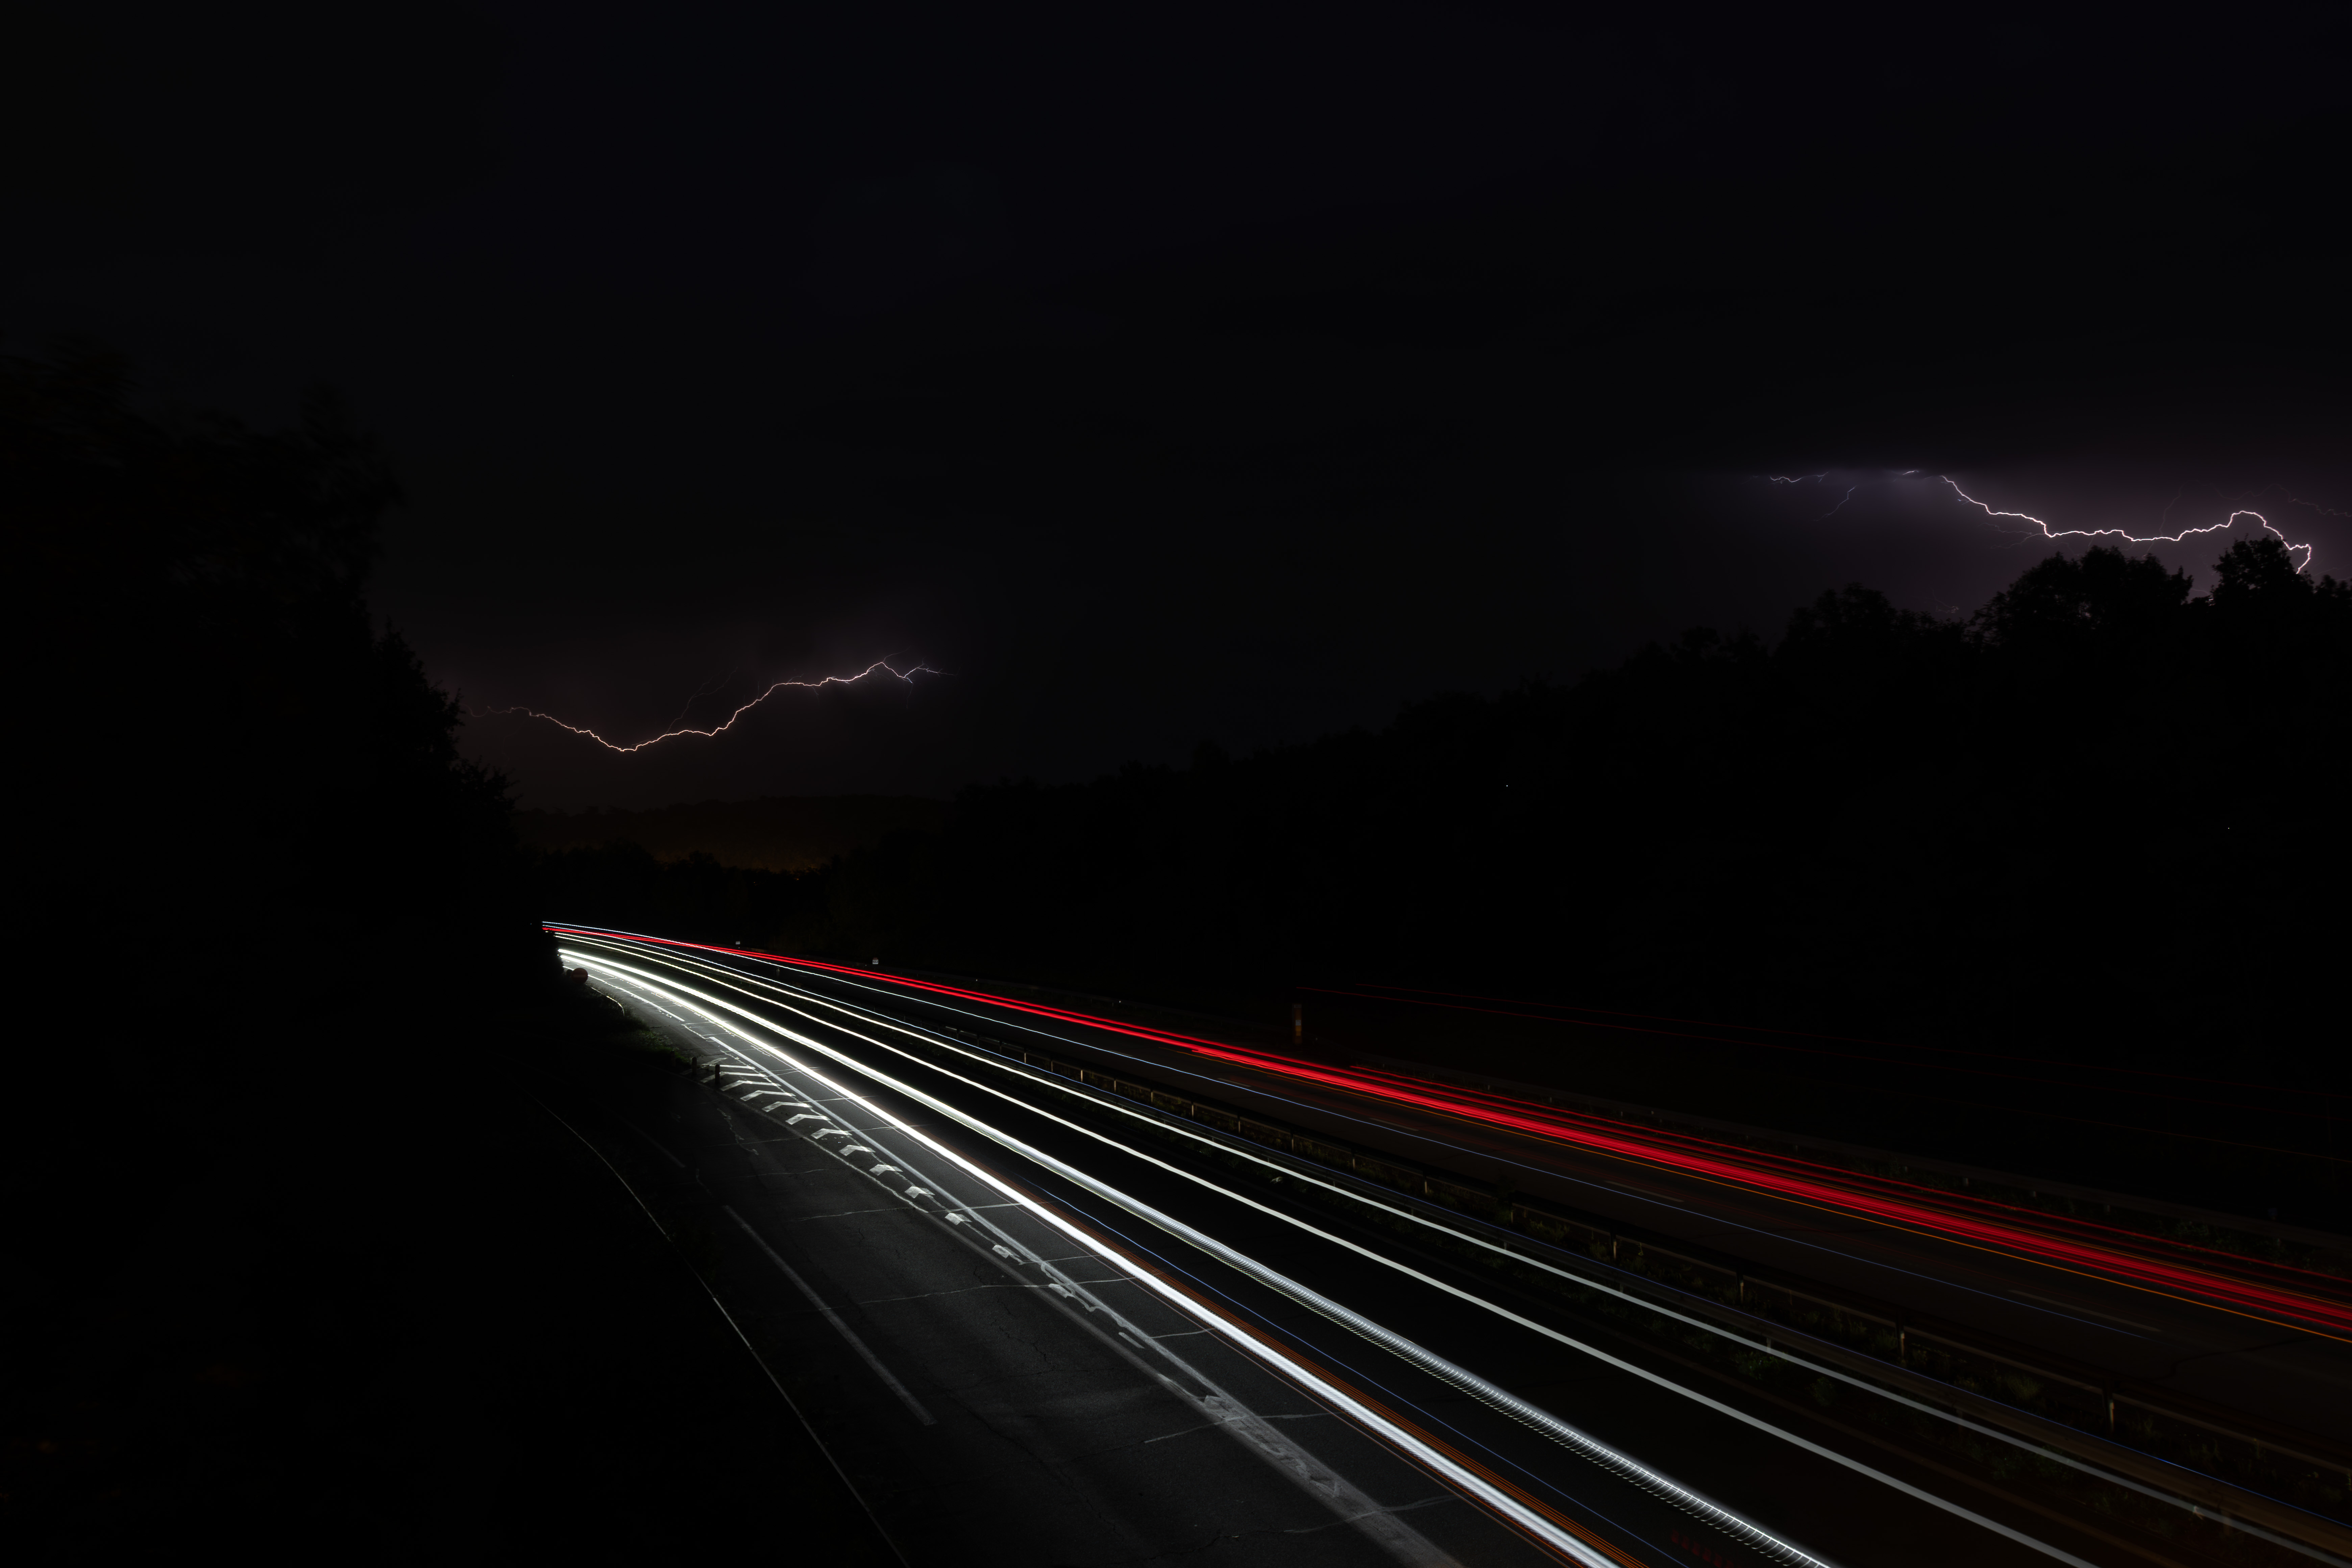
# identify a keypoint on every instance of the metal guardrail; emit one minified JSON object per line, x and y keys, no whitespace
{"x":2331,"y":1250}
{"x":2087,"y":1412}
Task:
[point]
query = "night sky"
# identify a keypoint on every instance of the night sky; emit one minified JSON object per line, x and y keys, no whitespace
{"x":1182,"y":373}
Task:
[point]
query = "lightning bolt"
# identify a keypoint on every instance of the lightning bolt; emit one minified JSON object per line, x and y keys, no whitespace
{"x":2048,"y":532}
{"x":906,"y":676}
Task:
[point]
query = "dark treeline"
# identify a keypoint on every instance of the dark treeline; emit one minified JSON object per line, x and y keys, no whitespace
{"x":294,"y":1268}
{"x":2098,"y":824}
{"x":2101,"y":817}
{"x":627,"y":887}
{"x":233,"y":760}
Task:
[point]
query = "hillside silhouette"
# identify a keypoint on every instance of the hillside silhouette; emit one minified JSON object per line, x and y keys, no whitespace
{"x":774,"y":833}
{"x":263,"y":1151}
{"x":2094,"y":828}
{"x":2101,"y":803}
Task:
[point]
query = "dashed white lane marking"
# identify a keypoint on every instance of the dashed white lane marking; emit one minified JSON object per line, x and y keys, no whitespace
{"x":1354,"y":1506}
{"x":1309,"y":1415}
{"x":1246,"y":1424}
{"x":844,"y":1214}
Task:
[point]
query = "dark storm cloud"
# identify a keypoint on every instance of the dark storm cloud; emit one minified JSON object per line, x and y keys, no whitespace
{"x":879,"y":240}
{"x":1181,"y":371}
{"x":142,"y":127}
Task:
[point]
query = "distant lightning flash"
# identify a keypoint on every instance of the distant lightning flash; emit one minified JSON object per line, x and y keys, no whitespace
{"x":1995,"y":514}
{"x":2048,"y":532}
{"x":908,"y":676}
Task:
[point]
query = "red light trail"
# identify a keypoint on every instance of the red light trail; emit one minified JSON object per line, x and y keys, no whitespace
{"x":908,"y":676}
{"x":2096,"y":1250}
{"x":1865,"y":1196}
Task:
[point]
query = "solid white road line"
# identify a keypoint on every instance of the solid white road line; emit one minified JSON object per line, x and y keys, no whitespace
{"x":846,"y":1333}
{"x":1360,"y":1507}
{"x":1354,"y":1507}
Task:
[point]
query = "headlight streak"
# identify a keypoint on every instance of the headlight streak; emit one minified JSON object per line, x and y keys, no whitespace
{"x":1276,"y":1335}
{"x":1256,"y":1436}
{"x":1426,"y":1418}
{"x":702,"y":968}
{"x":1517,"y":1514}
{"x":905,"y":676}
{"x":1731,"y":1336}
{"x":1576,"y":1441}
{"x":863,"y":979}
{"x":2214,"y":1291}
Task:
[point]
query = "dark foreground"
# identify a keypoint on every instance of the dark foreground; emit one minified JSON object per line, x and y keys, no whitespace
{"x":342,"y":1307}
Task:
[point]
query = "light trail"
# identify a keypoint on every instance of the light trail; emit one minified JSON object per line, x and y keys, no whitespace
{"x":1748,"y":1532}
{"x":1977,"y":1224}
{"x":2283,"y":1525}
{"x":905,"y":676}
{"x":2244,"y":1298}
{"x":1406,"y":1439}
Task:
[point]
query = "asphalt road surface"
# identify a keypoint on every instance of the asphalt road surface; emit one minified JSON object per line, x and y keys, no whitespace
{"x":1039,"y":1325}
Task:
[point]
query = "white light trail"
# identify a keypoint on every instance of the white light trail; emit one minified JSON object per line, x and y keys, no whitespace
{"x":1402,"y":1437}
{"x":1622,"y":1465}
{"x":667,"y":956}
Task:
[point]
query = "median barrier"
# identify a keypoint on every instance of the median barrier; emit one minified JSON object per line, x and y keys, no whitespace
{"x":2153,"y":1437}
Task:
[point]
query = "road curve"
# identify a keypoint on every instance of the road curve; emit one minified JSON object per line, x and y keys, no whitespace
{"x":1545,"y":1417}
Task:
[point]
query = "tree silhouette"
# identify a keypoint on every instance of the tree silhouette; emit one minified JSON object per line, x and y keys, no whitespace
{"x":227,"y":750}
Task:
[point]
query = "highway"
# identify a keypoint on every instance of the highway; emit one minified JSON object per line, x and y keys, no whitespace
{"x":1233,"y":1348}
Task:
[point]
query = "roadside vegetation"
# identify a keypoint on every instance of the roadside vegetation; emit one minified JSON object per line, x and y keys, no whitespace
{"x":2057,"y":889}
{"x":301,"y":1265}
